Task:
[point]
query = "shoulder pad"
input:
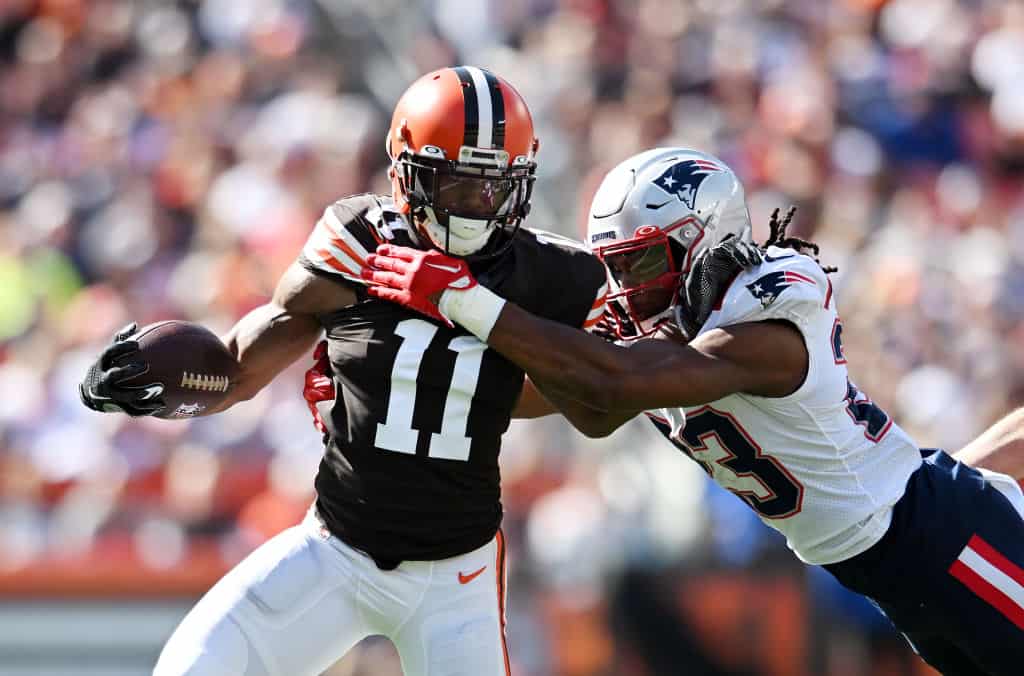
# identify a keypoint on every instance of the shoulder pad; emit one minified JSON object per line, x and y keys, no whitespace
{"x":786,"y":285}
{"x":343,"y":238}
{"x":567,"y":282}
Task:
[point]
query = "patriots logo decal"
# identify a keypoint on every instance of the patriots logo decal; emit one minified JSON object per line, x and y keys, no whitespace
{"x":768,"y":288}
{"x":683,"y":179}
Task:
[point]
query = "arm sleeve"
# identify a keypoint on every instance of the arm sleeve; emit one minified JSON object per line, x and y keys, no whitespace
{"x":339,"y":244}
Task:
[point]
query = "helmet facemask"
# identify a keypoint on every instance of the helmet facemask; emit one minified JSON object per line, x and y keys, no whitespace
{"x":647,"y":271}
{"x":459,"y":206}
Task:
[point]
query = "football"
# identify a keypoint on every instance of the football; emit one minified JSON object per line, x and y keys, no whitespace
{"x":190,"y":361}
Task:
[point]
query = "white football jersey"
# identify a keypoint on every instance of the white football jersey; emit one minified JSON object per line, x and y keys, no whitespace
{"x":823,"y":465}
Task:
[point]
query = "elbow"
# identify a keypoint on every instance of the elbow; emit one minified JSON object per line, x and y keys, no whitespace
{"x":593,"y":424}
{"x":596,"y":431}
{"x":605,"y":412}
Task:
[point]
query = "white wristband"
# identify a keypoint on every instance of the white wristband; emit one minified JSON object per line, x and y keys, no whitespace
{"x":476,"y":309}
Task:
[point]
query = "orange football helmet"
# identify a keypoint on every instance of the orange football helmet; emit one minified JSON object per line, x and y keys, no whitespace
{"x":462,"y":152}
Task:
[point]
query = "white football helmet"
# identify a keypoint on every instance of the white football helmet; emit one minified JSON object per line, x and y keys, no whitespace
{"x":651,"y":217}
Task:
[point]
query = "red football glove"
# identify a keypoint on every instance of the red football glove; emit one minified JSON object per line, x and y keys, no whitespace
{"x":415,"y":278}
{"x":319,"y":384}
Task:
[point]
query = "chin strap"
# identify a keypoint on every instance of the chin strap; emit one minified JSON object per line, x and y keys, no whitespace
{"x":445,"y":236}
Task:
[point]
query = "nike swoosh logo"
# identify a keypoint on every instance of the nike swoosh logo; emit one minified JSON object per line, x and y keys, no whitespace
{"x":657,"y":206}
{"x":153,"y":391}
{"x":446,"y":268}
{"x":780,"y":258}
{"x":466,"y":579}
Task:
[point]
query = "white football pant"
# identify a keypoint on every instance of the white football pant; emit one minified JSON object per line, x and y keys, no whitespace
{"x":300,"y":601}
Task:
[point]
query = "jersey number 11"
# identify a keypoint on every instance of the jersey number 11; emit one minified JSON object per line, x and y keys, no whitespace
{"x":398,"y":434}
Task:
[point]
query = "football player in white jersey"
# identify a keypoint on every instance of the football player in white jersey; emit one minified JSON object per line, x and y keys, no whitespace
{"x":747,"y":376}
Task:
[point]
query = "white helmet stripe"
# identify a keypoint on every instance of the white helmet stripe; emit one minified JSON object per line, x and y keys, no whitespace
{"x":483,"y":105}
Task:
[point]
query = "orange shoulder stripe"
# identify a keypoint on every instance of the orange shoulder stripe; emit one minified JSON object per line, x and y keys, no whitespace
{"x":342,"y":244}
{"x":326,"y":256}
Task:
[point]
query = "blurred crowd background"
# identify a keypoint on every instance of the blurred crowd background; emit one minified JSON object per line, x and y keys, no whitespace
{"x":168,"y":159}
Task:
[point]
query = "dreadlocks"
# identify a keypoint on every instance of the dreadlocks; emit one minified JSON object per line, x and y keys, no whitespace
{"x":777,"y":237}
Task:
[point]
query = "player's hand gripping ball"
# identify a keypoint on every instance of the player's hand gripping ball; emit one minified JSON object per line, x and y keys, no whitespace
{"x":171,"y":369}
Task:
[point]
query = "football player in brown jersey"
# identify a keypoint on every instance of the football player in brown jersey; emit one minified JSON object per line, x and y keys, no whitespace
{"x":404,"y":539}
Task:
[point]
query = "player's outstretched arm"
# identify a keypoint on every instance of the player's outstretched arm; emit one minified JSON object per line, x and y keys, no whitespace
{"x":1000,"y":448}
{"x":264,"y":342}
{"x":764,"y":358}
{"x":273,"y":336}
